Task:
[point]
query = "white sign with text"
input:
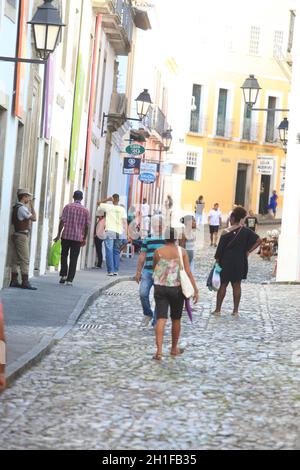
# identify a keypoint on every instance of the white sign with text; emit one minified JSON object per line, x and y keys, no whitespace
{"x":265,"y":165}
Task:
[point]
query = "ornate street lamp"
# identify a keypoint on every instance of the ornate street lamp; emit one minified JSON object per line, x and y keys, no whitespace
{"x":250,"y":89}
{"x":283,"y":133}
{"x":167,"y":138}
{"x":143,"y":103}
{"x":47,"y":25}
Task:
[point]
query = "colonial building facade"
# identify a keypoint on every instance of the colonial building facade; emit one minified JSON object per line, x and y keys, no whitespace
{"x":53,"y":134}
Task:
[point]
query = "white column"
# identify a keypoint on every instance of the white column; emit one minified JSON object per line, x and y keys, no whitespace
{"x":289,"y":243}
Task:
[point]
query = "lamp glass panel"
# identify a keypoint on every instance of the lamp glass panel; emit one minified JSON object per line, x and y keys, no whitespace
{"x":40,"y":36}
{"x":167,"y":141}
{"x":142,"y":108}
{"x":53,"y":32}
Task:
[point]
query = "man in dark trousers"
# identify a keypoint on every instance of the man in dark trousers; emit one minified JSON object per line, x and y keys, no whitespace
{"x":22,"y":216}
{"x":73,"y":230}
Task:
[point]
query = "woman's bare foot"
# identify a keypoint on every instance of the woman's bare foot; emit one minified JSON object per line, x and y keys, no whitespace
{"x":216,"y":312}
{"x":157,"y":357}
{"x":235,"y":314}
{"x":177,"y":351}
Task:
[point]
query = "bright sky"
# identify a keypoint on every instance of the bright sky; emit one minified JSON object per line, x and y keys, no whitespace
{"x":206,"y":27}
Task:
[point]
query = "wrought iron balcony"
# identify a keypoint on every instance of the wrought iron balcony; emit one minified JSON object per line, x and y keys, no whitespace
{"x":198,"y":124}
{"x":117,"y":23}
{"x":156,"y":120}
{"x":224,"y":128}
{"x":250,"y":131}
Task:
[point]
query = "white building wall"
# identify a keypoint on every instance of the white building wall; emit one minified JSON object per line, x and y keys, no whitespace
{"x":8,"y":29}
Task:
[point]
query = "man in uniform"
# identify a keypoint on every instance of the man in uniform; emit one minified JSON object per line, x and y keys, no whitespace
{"x":22,"y":217}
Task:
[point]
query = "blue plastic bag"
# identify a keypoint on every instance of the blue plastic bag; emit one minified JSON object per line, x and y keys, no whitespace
{"x":214,"y":278}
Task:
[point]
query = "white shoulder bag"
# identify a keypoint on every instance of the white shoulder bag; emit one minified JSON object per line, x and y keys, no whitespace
{"x":186,"y":285}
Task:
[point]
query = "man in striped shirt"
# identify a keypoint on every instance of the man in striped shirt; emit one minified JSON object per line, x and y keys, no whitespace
{"x":73,"y":229}
{"x":144,"y":271}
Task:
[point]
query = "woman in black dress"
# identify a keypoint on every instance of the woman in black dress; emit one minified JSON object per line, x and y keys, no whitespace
{"x":232,"y":253}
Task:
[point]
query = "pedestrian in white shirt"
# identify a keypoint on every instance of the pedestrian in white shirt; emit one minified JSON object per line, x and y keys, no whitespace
{"x":145,"y":222}
{"x":115,"y":231}
{"x":214,"y":221}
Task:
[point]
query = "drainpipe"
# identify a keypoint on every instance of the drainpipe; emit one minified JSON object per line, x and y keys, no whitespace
{"x":288,"y":269}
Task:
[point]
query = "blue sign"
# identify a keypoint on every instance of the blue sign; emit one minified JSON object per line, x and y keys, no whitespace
{"x":147,"y":178}
{"x":148,"y":172}
{"x":131,"y":166}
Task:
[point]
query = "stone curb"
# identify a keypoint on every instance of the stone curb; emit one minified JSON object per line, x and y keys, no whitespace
{"x":280,"y":283}
{"x":25,"y":362}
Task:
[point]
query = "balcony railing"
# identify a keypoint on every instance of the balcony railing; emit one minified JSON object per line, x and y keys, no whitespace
{"x":198,"y":124}
{"x":118,"y":5}
{"x":250,"y":131}
{"x":117,"y":22}
{"x":224,"y":128}
{"x":156,"y":120}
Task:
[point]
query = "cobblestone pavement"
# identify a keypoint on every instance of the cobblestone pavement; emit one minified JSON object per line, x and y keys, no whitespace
{"x":235,"y":387}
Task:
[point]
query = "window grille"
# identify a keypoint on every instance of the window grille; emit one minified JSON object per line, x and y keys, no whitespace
{"x":254,"y":40}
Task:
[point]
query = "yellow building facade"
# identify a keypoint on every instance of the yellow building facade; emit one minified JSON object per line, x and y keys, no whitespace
{"x":220,"y":150}
{"x":247,"y":163}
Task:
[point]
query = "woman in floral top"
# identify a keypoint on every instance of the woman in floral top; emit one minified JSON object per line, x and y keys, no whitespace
{"x":168,"y":292}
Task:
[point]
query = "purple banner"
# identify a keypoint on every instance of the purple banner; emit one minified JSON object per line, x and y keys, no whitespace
{"x":49,"y":94}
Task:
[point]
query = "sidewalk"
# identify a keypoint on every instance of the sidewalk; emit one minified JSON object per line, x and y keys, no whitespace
{"x":35,"y":320}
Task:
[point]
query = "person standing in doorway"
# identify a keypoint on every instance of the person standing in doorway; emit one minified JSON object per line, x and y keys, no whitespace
{"x":99,"y":238}
{"x":73,"y":229}
{"x":115,"y":226}
{"x":22,"y":216}
{"x":214,"y":222}
{"x":144,"y":273}
{"x":199,"y":207}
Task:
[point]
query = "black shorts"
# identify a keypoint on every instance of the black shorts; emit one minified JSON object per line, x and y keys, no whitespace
{"x":166,"y":297}
{"x":213,"y":228}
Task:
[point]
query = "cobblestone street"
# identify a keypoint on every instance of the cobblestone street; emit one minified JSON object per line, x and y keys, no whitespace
{"x":235,"y":387}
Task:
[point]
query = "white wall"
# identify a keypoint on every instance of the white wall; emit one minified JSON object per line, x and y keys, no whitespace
{"x":8,"y":29}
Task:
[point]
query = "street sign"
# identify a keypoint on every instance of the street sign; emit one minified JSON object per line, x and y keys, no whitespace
{"x":265,"y":165}
{"x":135,"y":150}
{"x":148,"y":172}
{"x":131,"y":166}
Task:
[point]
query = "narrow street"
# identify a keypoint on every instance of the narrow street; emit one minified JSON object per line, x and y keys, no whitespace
{"x":235,"y":387}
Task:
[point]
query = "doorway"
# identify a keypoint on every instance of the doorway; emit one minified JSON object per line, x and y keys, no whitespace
{"x":42,"y":210}
{"x":241,"y":184}
{"x":264,"y":194}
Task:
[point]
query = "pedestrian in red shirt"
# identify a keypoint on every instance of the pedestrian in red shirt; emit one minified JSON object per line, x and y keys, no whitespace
{"x":73,"y":230}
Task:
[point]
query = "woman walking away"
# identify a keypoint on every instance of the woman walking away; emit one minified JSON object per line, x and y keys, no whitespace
{"x":168,"y":292}
{"x":199,"y":207}
{"x":188,"y":238}
{"x":232,"y":253}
